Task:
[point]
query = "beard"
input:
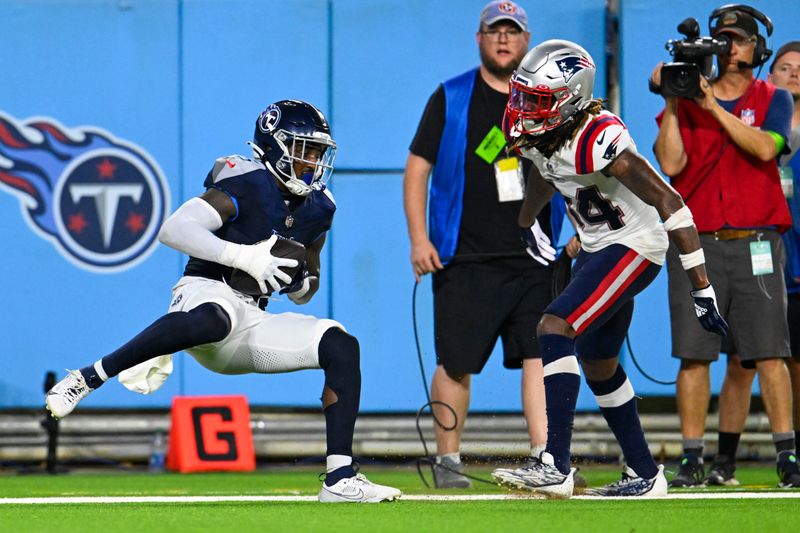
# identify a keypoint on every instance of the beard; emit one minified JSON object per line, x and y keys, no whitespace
{"x":497,"y":69}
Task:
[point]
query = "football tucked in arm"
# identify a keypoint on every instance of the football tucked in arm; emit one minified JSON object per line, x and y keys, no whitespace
{"x":286,"y":248}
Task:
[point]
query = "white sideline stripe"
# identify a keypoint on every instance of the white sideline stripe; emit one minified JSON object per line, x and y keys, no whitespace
{"x":410,"y":497}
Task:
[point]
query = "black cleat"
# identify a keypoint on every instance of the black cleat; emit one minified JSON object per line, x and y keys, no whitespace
{"x":788,"y":471}
{"x":690,"y":472}
{"x":722,"y":473}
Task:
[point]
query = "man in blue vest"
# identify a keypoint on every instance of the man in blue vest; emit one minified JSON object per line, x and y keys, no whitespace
{"x":485,"y":286}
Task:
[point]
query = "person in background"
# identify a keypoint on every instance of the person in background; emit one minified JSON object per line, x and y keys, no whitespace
{"x":785,"y":72}
{"x":485,"y":286}
{"x":720,"y":151}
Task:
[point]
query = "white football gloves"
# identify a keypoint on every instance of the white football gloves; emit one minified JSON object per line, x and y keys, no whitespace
{"x":538,"y":242}
{"x":258,"y":261}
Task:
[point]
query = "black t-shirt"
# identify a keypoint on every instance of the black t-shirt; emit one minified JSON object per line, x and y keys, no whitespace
{"x":488,"y":226}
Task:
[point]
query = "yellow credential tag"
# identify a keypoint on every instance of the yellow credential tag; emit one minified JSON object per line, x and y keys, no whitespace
{"x":508,"y":174}
{"x":509,"y":163}
{"x":491,"y":145}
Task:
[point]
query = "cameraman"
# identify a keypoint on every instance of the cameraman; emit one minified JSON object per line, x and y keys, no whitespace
{"x":719,"y":149}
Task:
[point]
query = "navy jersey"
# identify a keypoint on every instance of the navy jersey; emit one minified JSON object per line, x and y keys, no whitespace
{"x":261,"y":211}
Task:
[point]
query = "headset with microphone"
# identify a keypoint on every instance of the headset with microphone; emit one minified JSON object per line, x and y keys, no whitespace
{"x":761,"y":53}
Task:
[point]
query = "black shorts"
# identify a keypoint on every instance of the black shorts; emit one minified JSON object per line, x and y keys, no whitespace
{"x":754,"y":306}
{"x":793,"y":316}
{"x":474,"y":304}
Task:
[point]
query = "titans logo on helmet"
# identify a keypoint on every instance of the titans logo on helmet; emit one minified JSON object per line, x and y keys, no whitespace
{"x":98,"y":199}
{"x":269,"y":118}
{"x":571,"y":65}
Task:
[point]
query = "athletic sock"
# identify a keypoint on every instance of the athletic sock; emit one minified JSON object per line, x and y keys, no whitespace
{"x":94,"y":375}
{"x":562,"y":381}
{"x":617,"y":402}
{"x":332,"y":478}
{"x":339,"y":356}
{"x":728,"y":445}
{"x":455,"y":457}
{"x":171,"y":333}
{"x":693,"y":448}
{"x":536,"y":450}
{"x":784,"y":442}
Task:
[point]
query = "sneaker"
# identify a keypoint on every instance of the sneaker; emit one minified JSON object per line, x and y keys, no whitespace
{"x":66,"y":394}
{"x":540,"y":476}
{"x":722,"y":473}
{"x":357,"y":489}
{"x":449,"y":474}
{"x":788,"y":471}
{"x":578,"y":481}
{"x":634,"y":486}
{"x":690,"y":473}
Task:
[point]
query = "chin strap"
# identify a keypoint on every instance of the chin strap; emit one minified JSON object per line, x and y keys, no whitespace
{"x":295,"y":186}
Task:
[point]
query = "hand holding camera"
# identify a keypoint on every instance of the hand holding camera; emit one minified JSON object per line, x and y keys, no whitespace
{"x":693,"y":64}
{"x":694,"y":55}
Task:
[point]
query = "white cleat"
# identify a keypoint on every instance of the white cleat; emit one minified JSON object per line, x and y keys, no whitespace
{"x":632,"y":486}
{"x":357,"y":489}
{"x":540,"y":476}
{"x":66,"y":394}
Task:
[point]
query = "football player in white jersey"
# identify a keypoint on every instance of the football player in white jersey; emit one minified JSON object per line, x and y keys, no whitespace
{"x":617,"y":201}
{"x":234,"y":227}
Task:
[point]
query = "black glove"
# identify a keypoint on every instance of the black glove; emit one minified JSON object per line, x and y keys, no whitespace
{"x":705,"y":306}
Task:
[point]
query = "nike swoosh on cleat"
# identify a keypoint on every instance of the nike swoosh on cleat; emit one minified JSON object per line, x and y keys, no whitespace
{"x":358,"y":496}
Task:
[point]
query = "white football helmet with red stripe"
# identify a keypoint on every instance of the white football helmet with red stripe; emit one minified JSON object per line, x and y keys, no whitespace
{"x":552,"y":83}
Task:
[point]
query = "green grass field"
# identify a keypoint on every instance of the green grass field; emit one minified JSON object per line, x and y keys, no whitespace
{"x":738,"y":514}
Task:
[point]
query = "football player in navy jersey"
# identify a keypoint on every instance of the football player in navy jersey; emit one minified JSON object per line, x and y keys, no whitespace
{"x":234,"y":225}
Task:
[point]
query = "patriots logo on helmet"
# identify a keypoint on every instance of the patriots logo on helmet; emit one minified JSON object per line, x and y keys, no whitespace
{"x":571,"y":65}
{"x":98,"y":199}
{"x":269,"y":118}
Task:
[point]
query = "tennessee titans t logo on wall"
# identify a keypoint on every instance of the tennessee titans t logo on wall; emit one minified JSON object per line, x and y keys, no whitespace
{"x":100,"y":200}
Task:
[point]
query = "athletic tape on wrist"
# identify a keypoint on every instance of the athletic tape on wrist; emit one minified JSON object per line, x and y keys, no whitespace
{"x":692,"y":259}
{"x":682,"y":218}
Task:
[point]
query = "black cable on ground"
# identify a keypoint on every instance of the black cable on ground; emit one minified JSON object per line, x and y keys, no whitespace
{"x":427,"y":459}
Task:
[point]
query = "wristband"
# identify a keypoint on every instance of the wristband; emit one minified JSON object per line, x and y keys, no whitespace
{"x":692,"y":259}
{"x":682,"y":218}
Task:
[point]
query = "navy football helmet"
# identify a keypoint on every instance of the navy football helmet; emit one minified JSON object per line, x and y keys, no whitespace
{"x":290,"y":132}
